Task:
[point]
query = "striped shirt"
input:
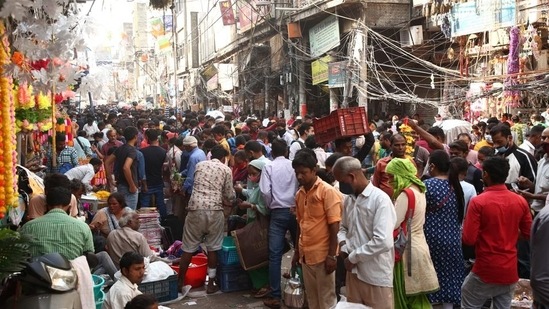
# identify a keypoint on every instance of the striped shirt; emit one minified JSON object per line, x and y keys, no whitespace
{"x":58,"y":232}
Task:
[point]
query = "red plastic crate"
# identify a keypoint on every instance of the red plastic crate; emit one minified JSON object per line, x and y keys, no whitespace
{"x":343,"y":122}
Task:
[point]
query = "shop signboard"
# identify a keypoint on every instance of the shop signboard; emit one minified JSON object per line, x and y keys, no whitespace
{"x":324,"y":36}
{"x":319,"y":70}
{"x":209,"y":72}
{"x":337,"y":72}
{"x":481,"y":16}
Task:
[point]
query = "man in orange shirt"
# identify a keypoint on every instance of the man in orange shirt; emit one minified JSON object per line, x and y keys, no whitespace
{"x":318,"y":213}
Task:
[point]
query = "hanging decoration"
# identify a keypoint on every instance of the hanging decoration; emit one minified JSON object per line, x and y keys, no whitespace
{"x":8,"y":155}
{"x":406,"y":131}
{"x":512,"y":97}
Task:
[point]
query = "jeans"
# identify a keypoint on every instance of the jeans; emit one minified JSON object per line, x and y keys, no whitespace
{"x":105,"y":266}
{"x":474,"y":293}
{"x":158,"y":192}
{"x":131,"y":198}
{"x":282,"y":220}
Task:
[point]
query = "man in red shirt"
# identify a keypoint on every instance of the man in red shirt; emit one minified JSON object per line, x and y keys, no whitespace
{"x":493,"y":223}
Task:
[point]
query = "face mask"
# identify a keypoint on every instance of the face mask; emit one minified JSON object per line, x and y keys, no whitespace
{"x":346,"y":188}
{"x":545,"y":148}
{"x":501,"y":150}
{"x":488,"y":138}
{"x":254,"y":179}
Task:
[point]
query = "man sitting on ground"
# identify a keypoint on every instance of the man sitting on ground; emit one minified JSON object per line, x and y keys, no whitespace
{"x":132,"y":268}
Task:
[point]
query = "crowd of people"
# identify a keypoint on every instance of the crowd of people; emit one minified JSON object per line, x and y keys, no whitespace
{"x":449,"y":223}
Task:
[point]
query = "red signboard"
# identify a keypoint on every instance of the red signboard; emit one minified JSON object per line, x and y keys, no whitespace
{"x":227,"y":12}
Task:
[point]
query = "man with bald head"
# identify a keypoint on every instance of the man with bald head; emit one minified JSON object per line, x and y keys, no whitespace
{"x":366,"y":237}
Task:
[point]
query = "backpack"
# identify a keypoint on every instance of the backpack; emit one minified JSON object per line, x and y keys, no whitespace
{"x":300,"y":143}
{"x":65,"y":167}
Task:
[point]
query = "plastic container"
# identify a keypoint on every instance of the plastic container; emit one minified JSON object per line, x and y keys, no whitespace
{"x":228,"y":254}
{"x":98,"y":283}
{"x":343,"y":122}
{"x":163,"y":290}
{"x":196,"y":275}
{"x":99,"y":301}
{"x":233,"y":278}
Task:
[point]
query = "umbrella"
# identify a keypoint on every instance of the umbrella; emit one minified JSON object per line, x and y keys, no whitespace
{"x":453,"y":127}
{"x":215,"y":113}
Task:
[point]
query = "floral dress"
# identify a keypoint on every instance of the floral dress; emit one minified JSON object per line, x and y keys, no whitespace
{"x":443,"y":233}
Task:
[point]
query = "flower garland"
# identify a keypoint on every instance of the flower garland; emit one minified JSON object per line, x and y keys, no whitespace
{"x":406,"y":131}
{"x":8,"y":155}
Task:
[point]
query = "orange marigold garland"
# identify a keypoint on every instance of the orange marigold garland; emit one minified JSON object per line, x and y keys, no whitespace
{"x":8,"y":155}
{"x":406,"y":131}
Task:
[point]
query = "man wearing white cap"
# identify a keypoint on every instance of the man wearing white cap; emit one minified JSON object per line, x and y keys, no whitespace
{"x":196,"y":155}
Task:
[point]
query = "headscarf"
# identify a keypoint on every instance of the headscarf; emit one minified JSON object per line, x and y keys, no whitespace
{"x":254,"y":193}
{"x":259,"y":164}
{"x":404,"y":174}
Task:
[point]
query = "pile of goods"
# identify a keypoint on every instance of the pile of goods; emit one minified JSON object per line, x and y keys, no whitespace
{"x":150,"y":227}
{"x":102,"y":195}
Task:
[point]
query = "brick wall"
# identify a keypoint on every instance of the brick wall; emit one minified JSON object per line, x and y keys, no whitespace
{"x":387,"y":15}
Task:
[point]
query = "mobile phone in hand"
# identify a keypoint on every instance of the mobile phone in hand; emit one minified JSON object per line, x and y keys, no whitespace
{"x":515,"y":187}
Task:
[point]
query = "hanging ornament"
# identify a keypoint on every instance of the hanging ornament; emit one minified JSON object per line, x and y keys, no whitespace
{"x":8,"y":156}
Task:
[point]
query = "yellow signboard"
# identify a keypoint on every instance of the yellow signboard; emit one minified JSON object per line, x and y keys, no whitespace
{"x":319,"y":70}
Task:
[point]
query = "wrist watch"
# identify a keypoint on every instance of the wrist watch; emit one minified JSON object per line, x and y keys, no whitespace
{"x":333,"y":257}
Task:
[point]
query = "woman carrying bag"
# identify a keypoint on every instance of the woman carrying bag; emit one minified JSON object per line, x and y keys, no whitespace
{"x":255,"y":207}
{"x":414,"y":273}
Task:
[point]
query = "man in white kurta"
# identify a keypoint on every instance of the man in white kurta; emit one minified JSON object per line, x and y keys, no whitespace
{"x":366,"y":237}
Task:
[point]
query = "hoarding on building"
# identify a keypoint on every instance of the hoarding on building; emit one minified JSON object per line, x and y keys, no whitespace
{"x":337,"y":73}
{"x":480,"y":16}
{"x":247,"y":14}
{"x":324,"y":36}
{"x":227,"y":12}
{"x":319,"y":70}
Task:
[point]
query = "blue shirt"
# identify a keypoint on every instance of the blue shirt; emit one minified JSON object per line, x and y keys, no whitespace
{"x":197,"y":155}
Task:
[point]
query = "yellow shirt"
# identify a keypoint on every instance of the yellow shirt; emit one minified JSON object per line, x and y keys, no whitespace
{"x":481,"y":144}
{"x":315,"y":210}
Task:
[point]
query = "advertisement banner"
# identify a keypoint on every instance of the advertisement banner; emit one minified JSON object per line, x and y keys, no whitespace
{"x":324,"y":36}
{"x":337,"y":73}
{"x":480,"y":16}
{"x":157,"y":28}
{"x":227,"y":13}
{"x":319,"y":70}
{"x":168,"y":23}
{"x":164,"y":42}
{"x":247,"y":14}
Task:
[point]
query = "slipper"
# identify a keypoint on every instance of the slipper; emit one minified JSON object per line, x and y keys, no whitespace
{"x":262,"y":292}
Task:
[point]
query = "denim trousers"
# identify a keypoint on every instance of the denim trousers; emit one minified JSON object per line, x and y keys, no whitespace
{"x":158,"y":192}
{"x":282,"y":220}
{"x":475,"y":292}
{"x":131,"y":198}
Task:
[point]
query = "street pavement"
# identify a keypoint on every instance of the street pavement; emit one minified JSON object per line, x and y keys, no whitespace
{"x":198,"y":298}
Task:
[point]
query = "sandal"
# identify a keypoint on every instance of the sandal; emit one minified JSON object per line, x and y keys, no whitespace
{"x":262,"y":292}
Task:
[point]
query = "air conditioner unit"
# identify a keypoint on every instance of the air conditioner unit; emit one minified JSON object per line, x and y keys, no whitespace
{"x":499,"y":37}
{"x":411,"y":36}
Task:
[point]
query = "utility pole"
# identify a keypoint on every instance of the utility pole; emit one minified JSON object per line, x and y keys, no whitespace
{"x":174,"y":34}
{"x":363,"y":82}
{"x":267,"y":96}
